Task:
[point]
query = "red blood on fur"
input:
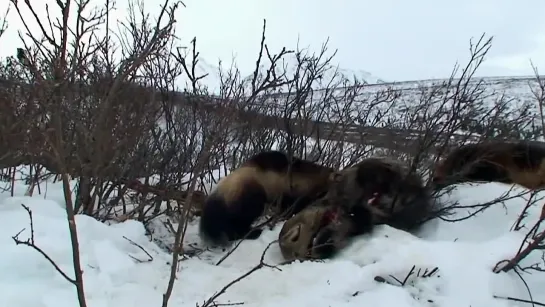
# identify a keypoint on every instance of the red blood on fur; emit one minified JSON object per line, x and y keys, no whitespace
{"x":330,"y":216}
{"x":373,"y":199}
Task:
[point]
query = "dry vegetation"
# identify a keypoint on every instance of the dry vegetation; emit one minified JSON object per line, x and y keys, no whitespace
{"x":82,"y":101}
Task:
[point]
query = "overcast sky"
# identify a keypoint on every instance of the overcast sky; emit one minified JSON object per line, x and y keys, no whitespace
{"x":392,"y":39}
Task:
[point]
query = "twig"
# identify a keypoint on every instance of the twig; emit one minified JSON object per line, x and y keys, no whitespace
{"x":535,"y":244}
{"x":182,"y":225}
{"x":140,"y":247}
{"x":210,"y":301}
{"x":408,"y":275}
{"x":509,"y":298}
{"x":425,"y":274}
{"x":30,"y":242}
{"x":230,"y":252}
{"x":525,"y":284}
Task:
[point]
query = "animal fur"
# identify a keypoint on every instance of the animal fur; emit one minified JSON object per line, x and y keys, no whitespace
{"x":521,"y":163}
{"x":387,"y":188}
{"x":241,"y":197}
{"x":374,"y":191}
{"x":319,"y":232}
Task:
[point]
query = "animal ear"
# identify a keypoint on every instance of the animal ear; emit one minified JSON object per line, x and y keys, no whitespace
{"x":292,"y":235}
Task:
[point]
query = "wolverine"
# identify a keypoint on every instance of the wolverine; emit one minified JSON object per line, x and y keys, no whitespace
{"x":320,"y":231}
{"x":376,"y":190}
{"x":242,"y":196}
{"x":520,"y":162}
{"x":394,"y":194}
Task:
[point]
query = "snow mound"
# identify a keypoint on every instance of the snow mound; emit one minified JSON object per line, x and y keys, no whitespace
{"x":123,"y":267}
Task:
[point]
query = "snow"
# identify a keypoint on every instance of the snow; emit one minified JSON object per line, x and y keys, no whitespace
{"x":337,"y":99}
{"x":118,"y":273}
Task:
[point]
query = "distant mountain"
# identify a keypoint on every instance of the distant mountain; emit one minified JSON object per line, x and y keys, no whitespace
{"x":363,"y":75}
{"x":212,"y":80}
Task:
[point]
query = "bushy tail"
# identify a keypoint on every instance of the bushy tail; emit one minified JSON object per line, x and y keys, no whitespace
{"x":214,"y":221}
{"x":222,"y":222}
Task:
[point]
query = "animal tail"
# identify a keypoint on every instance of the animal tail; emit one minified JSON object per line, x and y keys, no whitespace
{"x":222,"y":221}
{"x":214,"y":221}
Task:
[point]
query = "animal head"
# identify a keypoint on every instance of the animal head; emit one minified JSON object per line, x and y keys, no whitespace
{"x":452,"y":168}
{"x":472,"y":162}
{"x":314,"y":233}
{"x":368,"y":180}
{"x":379,"y":175}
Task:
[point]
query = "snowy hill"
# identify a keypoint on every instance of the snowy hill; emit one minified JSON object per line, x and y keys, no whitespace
{"x":212,"y":79}
{"x":513,"y":87}
{"x":117,"y":272}
{"x":362,"y":75}
{"x":516,"y":88}
{"x":516,"y":93}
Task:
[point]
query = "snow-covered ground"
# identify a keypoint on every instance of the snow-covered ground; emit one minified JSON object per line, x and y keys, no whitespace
{"x":380,"y":104}
{"x":119,"y":273}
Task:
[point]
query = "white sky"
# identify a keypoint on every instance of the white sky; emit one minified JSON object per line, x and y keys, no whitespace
{"x":392,"y":39}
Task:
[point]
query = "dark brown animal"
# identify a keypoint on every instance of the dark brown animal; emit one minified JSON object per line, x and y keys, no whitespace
{"x":241,"y":197}
{"x":374,"y":191}
{"x":319,"y":232}
{"x":395,"y":195}
{"x":519,"y":163}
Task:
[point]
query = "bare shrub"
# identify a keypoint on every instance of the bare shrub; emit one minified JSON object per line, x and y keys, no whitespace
{"x":78,"y":114}
{"x":108,"y":110}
